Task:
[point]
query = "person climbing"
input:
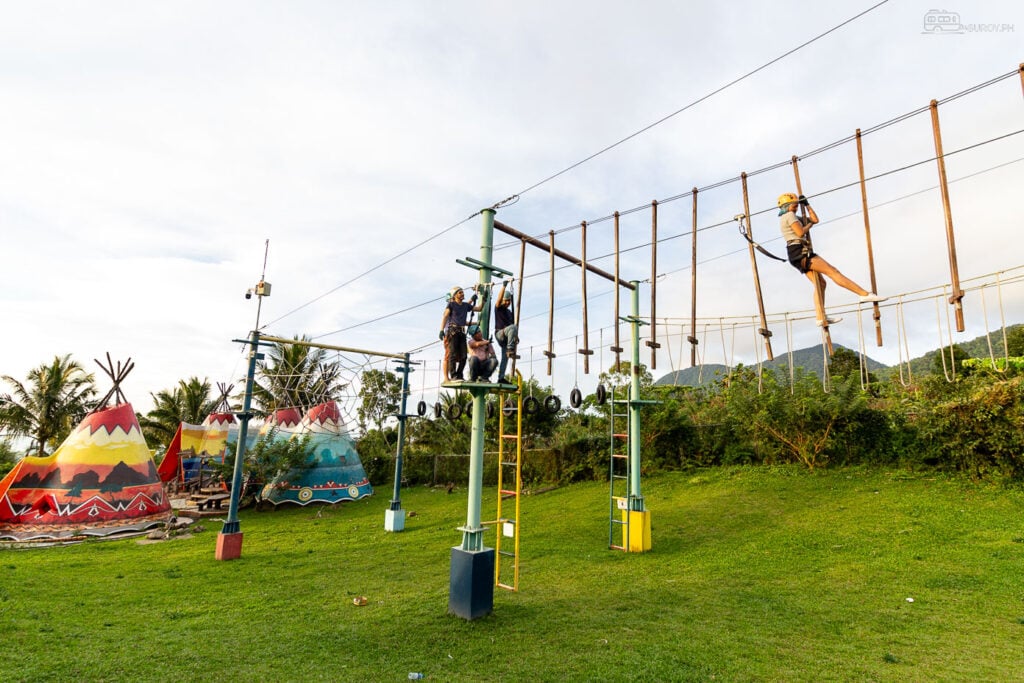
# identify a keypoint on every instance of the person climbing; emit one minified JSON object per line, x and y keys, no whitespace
{"x":795,"y":229}
{"x":505,"y":330}
{"x":453,"y":333}
{"x":482,"y":362}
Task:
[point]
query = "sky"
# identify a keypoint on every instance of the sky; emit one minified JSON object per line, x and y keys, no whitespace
{"x":158,"y":154}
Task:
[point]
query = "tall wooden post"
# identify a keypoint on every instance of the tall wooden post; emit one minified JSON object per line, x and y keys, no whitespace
{"x":586,"y":351}
{"x":693,"y":287}
{"x":763,"y":331}
{"x":956,"y":298}
{"x":653,"y":341}
{"x":616,"y":348}
{"x":550,"y":352}
{"x":819,"y":280}
{"x":877,"y":313}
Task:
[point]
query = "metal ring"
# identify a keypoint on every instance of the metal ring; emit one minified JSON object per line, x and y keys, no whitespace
{"x":421,"y":408}
{"x":601,"y":394}
{"x":576,"y":397}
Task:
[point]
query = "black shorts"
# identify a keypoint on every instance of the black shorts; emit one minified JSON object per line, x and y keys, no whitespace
{"x":800,"y":256}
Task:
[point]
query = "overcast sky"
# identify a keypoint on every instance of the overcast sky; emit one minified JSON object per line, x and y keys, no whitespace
{"x":150,"y":149}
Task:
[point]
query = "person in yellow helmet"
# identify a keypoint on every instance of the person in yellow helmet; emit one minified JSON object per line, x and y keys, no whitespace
{"x":795,"y":230}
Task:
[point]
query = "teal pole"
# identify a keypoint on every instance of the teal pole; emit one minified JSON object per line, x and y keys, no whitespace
{"x":636,"y":499}
{"x":396,"y":494}
{"x":231,"y":526}
{"x":473,"y":532}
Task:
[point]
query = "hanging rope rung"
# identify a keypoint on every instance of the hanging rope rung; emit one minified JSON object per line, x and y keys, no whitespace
{"x":616,"y":349}
{"x":653,"y":344}
{"x":585,"y":352}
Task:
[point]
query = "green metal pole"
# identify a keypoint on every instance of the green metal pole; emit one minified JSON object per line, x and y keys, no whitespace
{"x":636,"y":499}
{"x":396,"y":494}
{"x":231,"y":526}
{"x":473,"y":533}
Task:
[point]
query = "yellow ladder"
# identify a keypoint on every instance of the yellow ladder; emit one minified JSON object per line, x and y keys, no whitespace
{"x":618,"y":473}
{"x":510,"y":486}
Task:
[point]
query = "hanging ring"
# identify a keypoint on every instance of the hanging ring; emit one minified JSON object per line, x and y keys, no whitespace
{"x":421,"y":408}
{"x":438,"y":410}
{"x":601,"y":394}
{"x":576,"y":397}
{"x":553,"y":404}
{"x":454,"y":411}
{"x":530,"y":405}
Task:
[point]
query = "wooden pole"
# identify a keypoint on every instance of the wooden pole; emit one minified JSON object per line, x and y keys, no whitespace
{"x":616,"y":349}
{"x":693,"y":287}
{"x":550,"y":353}
{"x":877,"y":313}
{"x":819,"y":281}
{"x":653,"y":341}
{"x":956,"y":298}
{"x":519,"y":302}
{"x":763,"y":331}
{"x":586,"y":351}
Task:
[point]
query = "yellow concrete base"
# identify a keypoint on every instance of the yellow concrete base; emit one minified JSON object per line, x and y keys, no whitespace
{"x":639,"y":526}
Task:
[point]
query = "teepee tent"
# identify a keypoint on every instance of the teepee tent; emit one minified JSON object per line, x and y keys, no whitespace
{"x":335,"y":472}
{"x":100,"y":481}
{"x":193,"y":445}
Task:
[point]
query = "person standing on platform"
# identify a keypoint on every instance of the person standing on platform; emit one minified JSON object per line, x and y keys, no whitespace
{"x":505,"y":331}
{"x":453,"y":333}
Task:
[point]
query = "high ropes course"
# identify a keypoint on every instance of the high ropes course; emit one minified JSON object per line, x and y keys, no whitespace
{"x":570,"y":328}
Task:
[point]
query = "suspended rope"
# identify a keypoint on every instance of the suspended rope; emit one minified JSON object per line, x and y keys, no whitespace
{"x":901,"y":343}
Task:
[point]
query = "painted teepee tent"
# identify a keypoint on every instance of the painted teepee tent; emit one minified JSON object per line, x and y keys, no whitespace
{"x":335,"y":472}
{"x":193,"y":445}
{"x":100,"y":481}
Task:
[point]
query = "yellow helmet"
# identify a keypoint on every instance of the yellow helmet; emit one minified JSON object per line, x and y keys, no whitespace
{"x":787,"y":198}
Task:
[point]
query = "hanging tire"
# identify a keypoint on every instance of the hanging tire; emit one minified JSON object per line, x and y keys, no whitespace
{"x":576,"y":397}
{"x":509,"y":409}
{"x":468,"y":410}
{"x":553,"y":404}
{"x":421,"y":408}
{"x":490,"y":409}
{"x":601,"y":394}
{"x":530,"y":405}
{"x":454,"y":411}
{"x":438,"y":410}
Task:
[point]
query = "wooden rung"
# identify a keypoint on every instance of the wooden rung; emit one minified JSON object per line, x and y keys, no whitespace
{"x":764,"y":332}
{"x":585,"y":352}
{"x":653,"y":344}
{"x":550,"y":354}
{"x":620,"y":455}
{"x":504,"y":492}
{"x":509,"y":436}
{"x":620,"y":436}
{"x":616,"y":349}
{"x":693,"y":340}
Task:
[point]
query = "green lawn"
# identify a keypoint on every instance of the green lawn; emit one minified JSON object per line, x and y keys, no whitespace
{"x":755,"y":575}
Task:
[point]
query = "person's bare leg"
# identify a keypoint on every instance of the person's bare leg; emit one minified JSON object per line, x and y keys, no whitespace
{"x":819,"y":294}
{"x":820,"y":265}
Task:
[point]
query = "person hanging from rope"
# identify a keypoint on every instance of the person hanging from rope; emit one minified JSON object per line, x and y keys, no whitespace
{"x":453,"y":332}
{"x":795,"y":229}
{"x":505,"y":331}
{"x":482,"y":361}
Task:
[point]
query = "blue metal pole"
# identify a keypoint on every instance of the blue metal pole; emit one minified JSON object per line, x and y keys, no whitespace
{"x":396,"y":494}
{"x":231,"y":526}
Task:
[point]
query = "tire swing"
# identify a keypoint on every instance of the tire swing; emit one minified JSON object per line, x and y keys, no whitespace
{"x":552,"y":404}
{"x":454,"y":410}
{"x":530,"y":405}
{"x":490,"y":409}
{"x":438,"y":410}
{"x":509,"y":409}
{"x":575,"y":397}
{"x":601,"y":394}
{"x":421,"y":408}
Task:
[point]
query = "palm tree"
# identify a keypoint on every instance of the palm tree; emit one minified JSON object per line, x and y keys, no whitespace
{"x":294,"y":375}
{"x":53,"y":399}
{"x":191,"y":401}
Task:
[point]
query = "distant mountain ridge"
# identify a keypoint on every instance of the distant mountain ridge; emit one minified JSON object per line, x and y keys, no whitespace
{"x":811,"y":359}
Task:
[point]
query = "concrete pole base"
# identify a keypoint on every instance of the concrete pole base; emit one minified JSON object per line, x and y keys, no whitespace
{"x":229,"y":546}
{"x":394,"y":520}
{"x":471,"y":585}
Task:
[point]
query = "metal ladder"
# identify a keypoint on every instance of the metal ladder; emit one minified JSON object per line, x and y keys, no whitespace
{"x":510,"y":486}
{"x":618,"y":473}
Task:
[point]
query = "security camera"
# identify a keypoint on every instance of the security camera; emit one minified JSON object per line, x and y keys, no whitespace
{"x":248,"y":294}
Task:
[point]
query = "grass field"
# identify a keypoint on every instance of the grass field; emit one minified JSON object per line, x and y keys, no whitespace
{"x":755,"y":575}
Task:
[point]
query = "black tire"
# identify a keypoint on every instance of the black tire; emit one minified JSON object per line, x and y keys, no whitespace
{"x":454,"y":411}
{"x":468,"y":410}
{"x":530,"y":405}
{"x":509,"y":409}
{"x":421,"y":408}
{"x":438,"y":410}
{"x":553,"y":404}
{"x":490,"y":409}
{"x":601,"y":394}
{"x":576,"y":397}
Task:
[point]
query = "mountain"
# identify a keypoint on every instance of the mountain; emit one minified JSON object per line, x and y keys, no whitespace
{"x":810,"y":359}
